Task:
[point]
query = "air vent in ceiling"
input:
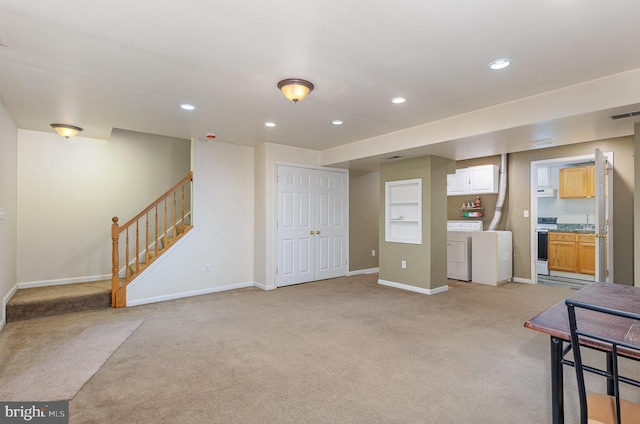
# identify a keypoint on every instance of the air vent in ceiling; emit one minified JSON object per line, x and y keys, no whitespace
{"x":626,"y":115}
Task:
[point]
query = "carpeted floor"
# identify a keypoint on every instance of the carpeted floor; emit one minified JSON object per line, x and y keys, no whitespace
{"x":345,"y":351}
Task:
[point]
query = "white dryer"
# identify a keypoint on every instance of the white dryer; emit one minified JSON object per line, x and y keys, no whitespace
{"x":459,"y":248}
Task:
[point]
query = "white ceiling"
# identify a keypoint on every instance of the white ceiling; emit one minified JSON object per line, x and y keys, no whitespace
{"x":130,"y":64}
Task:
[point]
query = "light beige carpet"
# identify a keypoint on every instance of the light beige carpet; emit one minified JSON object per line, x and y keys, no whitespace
{"x":63,"y":372}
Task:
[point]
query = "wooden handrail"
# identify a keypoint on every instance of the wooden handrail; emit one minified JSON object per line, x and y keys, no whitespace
{"x":172,"y":231}
{"x":185,"y":180}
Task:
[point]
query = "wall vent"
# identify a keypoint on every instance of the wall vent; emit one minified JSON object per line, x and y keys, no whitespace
{"x":626,"y":115}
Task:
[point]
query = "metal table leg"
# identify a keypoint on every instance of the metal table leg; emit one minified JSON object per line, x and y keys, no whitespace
{"x":557,"y":382}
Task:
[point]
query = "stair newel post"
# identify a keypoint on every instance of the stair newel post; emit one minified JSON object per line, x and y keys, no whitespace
{"x":115,"y":260}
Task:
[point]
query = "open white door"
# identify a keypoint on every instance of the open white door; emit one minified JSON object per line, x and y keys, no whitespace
{"x":604,"y":208}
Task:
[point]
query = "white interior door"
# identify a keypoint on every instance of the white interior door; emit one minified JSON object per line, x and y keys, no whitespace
{"x":331,"y":225}
{"x":604,"y":208}
{"x":312,"y":232}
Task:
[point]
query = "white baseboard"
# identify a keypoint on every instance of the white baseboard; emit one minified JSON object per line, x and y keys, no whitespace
{"x":263,"y":286}
{"x":62,"y":281}
{"x":522,"y":280}
{"x":174,"y":296}
{"x":413,"y":288}
{"x":6,"y":300}
{"x":363,"y":271}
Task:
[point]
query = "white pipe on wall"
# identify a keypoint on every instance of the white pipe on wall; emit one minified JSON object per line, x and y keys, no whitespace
{"x":502,"y":192}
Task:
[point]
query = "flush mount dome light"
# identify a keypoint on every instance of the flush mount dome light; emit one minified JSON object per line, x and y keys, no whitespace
{"x":65,"y":130}
{"x":337,"y":122}
{"x":295,"y":89}
{"x":500,"y":64}
{"x":187,"y":106}
{"x":398,"y":100}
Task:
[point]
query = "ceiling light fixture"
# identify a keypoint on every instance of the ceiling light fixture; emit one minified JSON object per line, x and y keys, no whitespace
{"x":295,"y":89}
{"x":269,"y":124}
{"x":337,"y":122}
{"x":499,"y":64}
{"x":398,"y":100}
{"x":187,"y":106}
{"x":65,"y":130}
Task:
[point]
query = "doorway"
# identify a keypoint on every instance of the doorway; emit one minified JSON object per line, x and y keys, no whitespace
{"x":575,"y":226}
{"x":312,"y":234}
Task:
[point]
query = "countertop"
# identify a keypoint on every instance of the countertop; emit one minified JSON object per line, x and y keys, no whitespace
{"x":574,"y":230}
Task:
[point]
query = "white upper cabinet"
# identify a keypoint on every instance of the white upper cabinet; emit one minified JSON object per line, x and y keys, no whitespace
{"x":458,"y":183}
{"x":481,"y":179}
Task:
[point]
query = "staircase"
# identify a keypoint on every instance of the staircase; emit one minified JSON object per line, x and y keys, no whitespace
{"x":147,"y":235}
{"x":46,"y":301}
{"x":144,"y":239}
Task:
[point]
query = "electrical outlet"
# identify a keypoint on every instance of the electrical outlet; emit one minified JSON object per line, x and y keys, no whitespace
{"x":404,"y":264}
{"x":373,"y":252}
{"x":207,"y":268}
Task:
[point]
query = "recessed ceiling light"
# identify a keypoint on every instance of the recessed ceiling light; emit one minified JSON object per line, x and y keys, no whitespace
{"x":337,"y":122}
{"x":187,"y":106}
{"x":499,"y":64}
{"x":398,"y":100}
{"x":269,"y":124}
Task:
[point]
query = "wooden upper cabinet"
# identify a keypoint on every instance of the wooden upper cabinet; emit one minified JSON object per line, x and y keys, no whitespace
{"x":577,"y":182}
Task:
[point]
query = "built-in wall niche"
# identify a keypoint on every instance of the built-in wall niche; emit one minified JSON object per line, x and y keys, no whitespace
{"x":403,"y":211}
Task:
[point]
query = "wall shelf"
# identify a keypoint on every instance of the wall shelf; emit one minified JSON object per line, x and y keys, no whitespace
{"x":471,"y":212}
{"x":403,"y":211}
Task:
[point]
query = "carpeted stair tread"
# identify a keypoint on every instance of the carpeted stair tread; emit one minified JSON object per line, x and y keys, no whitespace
{"x":53,"y":300}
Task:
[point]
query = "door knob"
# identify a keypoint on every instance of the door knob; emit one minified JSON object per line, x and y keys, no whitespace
{"x":318,"y":232}
{"x":312,"y":232}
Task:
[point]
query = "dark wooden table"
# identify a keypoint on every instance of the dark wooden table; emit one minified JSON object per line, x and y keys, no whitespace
{"x":555,"y":322}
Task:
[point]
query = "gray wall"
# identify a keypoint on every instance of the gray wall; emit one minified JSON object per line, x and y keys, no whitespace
{"x":363,"y":219}
{"x":426,"y":262}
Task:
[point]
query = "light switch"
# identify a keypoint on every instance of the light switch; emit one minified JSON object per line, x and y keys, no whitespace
{"x":525,"y":214}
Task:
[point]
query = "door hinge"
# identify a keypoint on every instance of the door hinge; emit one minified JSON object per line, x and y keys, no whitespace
{"x":276,"y":270}
{"x":346,"y":261}
{"x":277,"y":224}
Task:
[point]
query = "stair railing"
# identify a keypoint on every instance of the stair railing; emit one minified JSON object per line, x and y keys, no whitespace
{"x":169,"y":218}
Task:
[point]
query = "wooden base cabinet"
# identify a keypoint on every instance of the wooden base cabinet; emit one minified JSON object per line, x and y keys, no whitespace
{"x":586,"y":254}
{"x":572,"y":252}
{"x":562,"y":252}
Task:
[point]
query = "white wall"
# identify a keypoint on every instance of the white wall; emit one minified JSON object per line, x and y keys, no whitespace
{"x":8,"y":207}
{"x":68,"y":191}
{"x":223,"y":218}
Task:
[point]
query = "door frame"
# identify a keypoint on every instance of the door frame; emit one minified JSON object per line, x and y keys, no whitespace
{"x":533,"y":212}
{"x":278,"y":164}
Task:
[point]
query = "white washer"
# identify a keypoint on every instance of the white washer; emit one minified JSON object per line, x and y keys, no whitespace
{"x":459,"y":248}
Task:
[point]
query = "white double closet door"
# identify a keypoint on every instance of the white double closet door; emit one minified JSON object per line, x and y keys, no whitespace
{"x":312,"y":234}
